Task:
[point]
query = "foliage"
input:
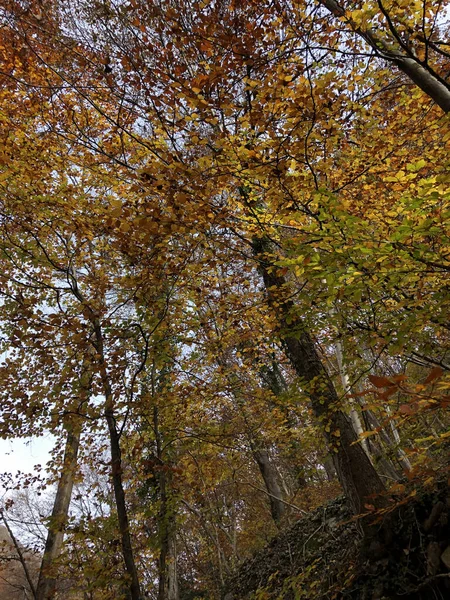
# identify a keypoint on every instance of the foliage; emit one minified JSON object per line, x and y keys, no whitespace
{"x":147,"y":149}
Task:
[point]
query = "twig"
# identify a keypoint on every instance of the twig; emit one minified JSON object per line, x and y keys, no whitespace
{"x":426,"y":583}
{"x":304,"y":512}
{"x":20,"y":554}
{"x":311,"y":536}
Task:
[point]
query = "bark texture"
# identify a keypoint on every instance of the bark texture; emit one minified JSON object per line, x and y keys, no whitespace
{"x":270,"y":477}
{"x":46,"y":588}
{"x":421,"y":74}
{"x":168,"y":577}
{"x":359,"y":479}
{"x":133,"y":592}
{"x":167,"y":567}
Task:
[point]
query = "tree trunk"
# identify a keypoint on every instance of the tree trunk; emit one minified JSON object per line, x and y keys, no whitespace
{"x":133,"y":592}
{"x":384,"y":436}
{"x":425,"y":78}
{"x":168,"y":577}
{"x":354,"y":416}
{"x":269,"y":475}
{"x":21,"y":557}
{"x":271,"y":377}
{"x":381,"y":460}
{"x":46,"y":588}
{"x":167,"y":567}
{"x":360,"y":481}
{"x":274,"y":379}
{"x":328,"y":465}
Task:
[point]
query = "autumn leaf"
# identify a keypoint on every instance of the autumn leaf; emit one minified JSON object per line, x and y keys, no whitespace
{"x":435,"y":373}
{"x":380,"y":381}
{"x":408,"y":409}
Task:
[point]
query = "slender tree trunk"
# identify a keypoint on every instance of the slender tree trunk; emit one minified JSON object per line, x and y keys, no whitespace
{"x":354,"y":416}
{"x":383,"y":465}
{"x":272,"y":378}
{"x":356,"y":473}
{"x":270,"y":477}
{"x":381,"y":460}
{"x":384,"y":436}
{"x":167,"y":568}
{"x":46,"y":588}
{"x":168,"y":577}
{"x":328,"y":465}
{"x":21,"y":556}
{"x":266,"y":468}
{"x":373,"y":450}
{"x":133,"y":592}
{"x":424,"y":77}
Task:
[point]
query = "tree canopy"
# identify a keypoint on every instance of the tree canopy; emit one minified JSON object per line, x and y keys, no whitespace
{"x":224,"y":248}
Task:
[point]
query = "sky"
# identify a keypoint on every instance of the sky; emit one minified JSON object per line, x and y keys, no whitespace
{"x":23,"y":454}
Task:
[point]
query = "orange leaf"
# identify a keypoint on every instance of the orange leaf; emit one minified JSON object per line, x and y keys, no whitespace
{"x":398,"y":488}
{"x":380,"y":381}
{"x":399,"y":378}
{"x":435,"y":373}
{"x":444,"y":402}
{"x":388,"y":393}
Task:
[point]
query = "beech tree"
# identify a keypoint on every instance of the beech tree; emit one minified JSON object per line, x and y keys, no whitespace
{"x":210,"y":213}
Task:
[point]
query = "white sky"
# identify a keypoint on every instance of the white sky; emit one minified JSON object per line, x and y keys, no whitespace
{"x":24,"y":453}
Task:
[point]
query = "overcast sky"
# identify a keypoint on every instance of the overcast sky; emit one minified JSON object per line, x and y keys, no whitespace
{"x":23,"y":454}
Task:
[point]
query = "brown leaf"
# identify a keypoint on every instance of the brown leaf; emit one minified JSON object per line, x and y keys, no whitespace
{"x":380,"y":381}
{"x":399,"y":378}
{"x":435,"y":373}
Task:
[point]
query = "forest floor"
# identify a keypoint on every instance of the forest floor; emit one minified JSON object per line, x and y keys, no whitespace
{"x":323,"y":556}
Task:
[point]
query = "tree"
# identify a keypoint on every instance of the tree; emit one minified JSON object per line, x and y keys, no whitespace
{"x":58,"y":520}
{"x":194,"y":193}
{"x":407,"y":39}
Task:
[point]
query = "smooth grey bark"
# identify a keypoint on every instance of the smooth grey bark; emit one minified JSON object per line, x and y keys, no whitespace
{"x":373,"y":450}
{"x":354,"y":416}
{"x":375,"y":424}
{"x":273,"y":379}
{"x":168,"y":578}
{"x":270,"y":478}
{"x":46,"y":587}
{"x":328,"y":465}
{"x":420,"y":73}
{"x":381,"y":461}
{"x":265,"y":464}
{"x":358,"y":477}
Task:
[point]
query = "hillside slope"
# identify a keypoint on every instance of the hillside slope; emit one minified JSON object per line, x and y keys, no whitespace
{"x":322,"y":557}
